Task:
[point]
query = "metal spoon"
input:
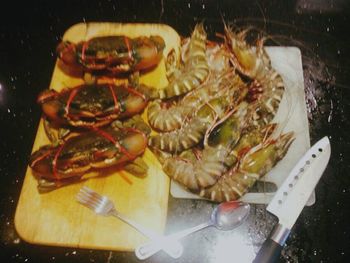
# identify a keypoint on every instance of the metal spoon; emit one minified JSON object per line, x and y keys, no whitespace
{"x":225,"y":216}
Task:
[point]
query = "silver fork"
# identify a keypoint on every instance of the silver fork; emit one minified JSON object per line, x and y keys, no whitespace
{"x":102,"y":205}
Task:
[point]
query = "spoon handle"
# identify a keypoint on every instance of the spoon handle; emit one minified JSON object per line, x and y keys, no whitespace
{"x":148,"y":249}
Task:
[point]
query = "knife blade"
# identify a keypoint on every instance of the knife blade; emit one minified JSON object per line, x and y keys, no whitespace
{"x":292,"y":196}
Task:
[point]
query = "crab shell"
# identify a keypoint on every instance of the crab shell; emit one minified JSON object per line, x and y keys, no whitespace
{"x":91,"y":105}
{"x":96,"y":149}
{"x":112,"y":54}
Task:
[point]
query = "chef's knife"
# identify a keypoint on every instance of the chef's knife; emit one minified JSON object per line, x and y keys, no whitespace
{"x":292,"y":196}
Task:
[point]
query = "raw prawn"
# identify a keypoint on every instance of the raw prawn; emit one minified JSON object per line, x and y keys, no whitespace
{"x":194,"y":70}
{"x":164,"y":117}
{"x":267,"y":85}
{"x":196,"y":174}
{"x":228,"y":144}
{"x":193,"y":131}
{"x":256,"y":163}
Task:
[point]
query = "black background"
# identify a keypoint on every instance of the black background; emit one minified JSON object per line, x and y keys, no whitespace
{"x":30,"y":31}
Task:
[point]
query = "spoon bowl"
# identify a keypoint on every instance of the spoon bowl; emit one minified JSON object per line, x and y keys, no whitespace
{"x":229,"y":215}
{"x":225,"y":216}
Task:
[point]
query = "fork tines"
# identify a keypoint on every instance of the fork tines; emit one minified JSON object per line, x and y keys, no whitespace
{"x":91,"y":199}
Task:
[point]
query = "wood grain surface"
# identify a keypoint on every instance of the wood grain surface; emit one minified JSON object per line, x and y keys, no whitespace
{"x":55,"y":218}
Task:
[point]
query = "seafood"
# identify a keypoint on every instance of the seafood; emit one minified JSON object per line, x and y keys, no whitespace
{"x":253,"y":62}
{"x":222,"y":149}
{"x":204,"y":171}
{"x":91,"y":105}
{"x":57,"y":165}
{"x":112,"y":54}
{"x":194,"y":70}
{"x":251,"y":137}
{"x":164,"y":117}
{"x":265,"y":107}
{"x":218,"y":57}
{"x":256,"y":163}
{"x":193,"y":131}
{"x":238,"y":149}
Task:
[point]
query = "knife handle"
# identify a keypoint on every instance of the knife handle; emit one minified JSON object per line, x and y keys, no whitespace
{"x":270,"y":250}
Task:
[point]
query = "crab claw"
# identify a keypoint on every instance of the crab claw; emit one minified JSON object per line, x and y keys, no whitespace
{"x":50,"y":105}
{"x":46,"y":95}
{"x":68,"y":61}
{"x":150,"y":52}
{"x":66,"y":52}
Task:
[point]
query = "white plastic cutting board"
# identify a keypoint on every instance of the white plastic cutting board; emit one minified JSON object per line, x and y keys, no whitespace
{"x":292,"y":116}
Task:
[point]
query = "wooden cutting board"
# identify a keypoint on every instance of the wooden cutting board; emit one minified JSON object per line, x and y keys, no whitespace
{"x":55,"y":218}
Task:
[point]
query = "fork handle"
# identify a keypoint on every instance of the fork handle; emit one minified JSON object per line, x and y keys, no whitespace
{"x":148,"y":249}
{"x":175,"y":250}
{"x":146,"y":232}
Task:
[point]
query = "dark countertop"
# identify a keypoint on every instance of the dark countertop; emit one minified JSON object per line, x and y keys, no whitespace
{"x":29,"y":33}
